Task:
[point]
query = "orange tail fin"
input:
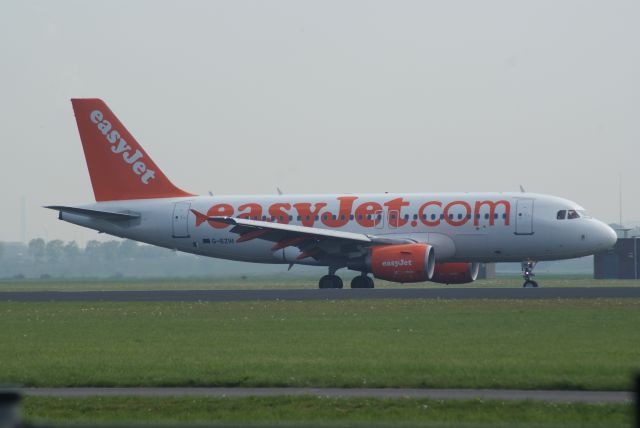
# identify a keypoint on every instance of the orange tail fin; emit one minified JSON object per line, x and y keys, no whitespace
{"x":118,"y":166}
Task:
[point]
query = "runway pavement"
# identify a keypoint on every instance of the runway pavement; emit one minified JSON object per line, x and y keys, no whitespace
{"x":326,"y":294}
{"x":435,"y":394}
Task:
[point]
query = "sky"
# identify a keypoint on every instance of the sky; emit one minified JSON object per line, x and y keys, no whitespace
{"x":241,"y":97}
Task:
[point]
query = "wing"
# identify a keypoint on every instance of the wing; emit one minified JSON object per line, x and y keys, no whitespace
{"x":320,"y":244}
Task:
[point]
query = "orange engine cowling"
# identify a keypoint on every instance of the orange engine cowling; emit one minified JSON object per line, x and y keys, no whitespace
{"x":403,"y":263}
{"x":455,"y":273}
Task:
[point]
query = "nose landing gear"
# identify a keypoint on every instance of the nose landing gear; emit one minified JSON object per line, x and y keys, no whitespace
{"x":527,"y":274}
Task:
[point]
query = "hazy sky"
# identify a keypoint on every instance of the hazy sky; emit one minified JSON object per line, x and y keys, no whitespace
{"x":325,"y":97}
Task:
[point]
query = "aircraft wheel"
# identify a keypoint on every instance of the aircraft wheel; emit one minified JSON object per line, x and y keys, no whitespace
{"x":358,"y":282}
{"x":369,"y":282}
{"x":330,"y":281}
{"x":530,"y":284}
{"x":362,"y":281}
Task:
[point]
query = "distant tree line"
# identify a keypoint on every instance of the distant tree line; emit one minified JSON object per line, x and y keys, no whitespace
{"x":57,"y":251}
{"x":55,"y":259}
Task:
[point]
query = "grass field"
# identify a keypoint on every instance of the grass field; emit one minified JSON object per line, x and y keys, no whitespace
{"x":293,"y":411}
{"x":556,"y":344}
{"x":285,"y":281}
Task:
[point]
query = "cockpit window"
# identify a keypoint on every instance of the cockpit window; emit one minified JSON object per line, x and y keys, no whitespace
{"x":571,"y":214}
{"x":583,"y":214}
{"x":562,"y":214}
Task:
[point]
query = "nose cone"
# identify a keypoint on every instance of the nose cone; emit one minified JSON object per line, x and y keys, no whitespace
{"x":606,"y":236}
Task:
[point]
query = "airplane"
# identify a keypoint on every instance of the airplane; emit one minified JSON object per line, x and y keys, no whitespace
{"x":402,"y":238}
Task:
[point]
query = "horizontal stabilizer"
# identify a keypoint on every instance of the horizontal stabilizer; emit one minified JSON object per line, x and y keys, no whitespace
{"x":106,"y":215}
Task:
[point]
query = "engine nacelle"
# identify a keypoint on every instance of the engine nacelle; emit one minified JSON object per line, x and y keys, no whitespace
{"x":402,"y":263}
{"x":455,"y":273}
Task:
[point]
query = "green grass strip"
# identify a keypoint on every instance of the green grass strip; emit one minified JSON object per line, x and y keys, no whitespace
{"x":547,"y":344}
{"x":323,"y":411}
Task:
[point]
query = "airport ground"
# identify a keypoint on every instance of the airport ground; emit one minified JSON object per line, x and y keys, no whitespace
{"x":290,"y":281}
{"x":557,"y":344}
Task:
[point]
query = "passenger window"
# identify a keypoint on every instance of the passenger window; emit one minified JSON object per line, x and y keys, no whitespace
{"x":571,"y":214}
{"x":562,"y":214}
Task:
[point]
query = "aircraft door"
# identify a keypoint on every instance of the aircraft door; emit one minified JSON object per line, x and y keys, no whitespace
{"x":180,"y":219}
{"x":524,"y":217}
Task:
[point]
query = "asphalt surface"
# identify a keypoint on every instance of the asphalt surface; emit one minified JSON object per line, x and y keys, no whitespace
{"x":435,"y":394}
{"x":326,"y":294}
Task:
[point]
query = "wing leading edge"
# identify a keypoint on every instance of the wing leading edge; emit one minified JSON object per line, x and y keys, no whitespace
{"x":312,"y":241}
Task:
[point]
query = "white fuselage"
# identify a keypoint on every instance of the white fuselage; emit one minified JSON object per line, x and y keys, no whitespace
{"x":469,"y":227}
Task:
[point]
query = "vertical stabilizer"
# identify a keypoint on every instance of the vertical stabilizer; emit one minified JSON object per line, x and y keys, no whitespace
{"x":118,"y":166}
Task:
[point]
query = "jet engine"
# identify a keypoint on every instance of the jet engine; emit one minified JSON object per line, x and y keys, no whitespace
{"x":455,"y":273}
{"x":402,"y":263}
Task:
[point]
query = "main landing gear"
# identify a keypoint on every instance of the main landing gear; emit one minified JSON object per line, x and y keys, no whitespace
{"x":362,"y":281}
{"x":527,"y":274}
{"x":334,"y":281}
{"x":330,"y":281}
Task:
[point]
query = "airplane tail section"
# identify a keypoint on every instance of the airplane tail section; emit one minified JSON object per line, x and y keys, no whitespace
{"x":118,"y":166}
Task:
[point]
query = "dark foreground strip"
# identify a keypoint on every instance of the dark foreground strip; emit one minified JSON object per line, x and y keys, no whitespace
{"x":330,"y":294}
{"x":435,"y":394}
